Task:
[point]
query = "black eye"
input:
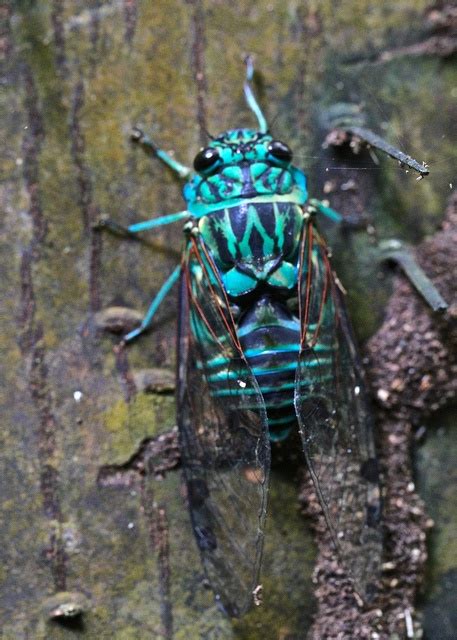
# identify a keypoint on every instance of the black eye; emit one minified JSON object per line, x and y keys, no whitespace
{"x":280,"y":151}
{"x":205,"y":159}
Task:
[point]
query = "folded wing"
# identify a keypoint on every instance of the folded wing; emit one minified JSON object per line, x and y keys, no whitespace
{"x":224,"y":435}
{"x":334,"y":419}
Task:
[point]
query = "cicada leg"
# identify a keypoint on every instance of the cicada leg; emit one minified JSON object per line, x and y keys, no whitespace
{"x":316,"y":206}
{"x":393,"y":251}
{"x":150,"y":146}
{"x":155,"y":304}
{"x":348,"y":221}
{"x":130,"y":231}
{"x":137,"y":227}
{"x":183,"y":172}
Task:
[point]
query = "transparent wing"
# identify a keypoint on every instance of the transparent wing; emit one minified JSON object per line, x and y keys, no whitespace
{"x":334,"y":419}
{"x":225,"y":447}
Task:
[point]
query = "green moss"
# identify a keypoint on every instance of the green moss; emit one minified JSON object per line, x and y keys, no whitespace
{"x":128,"y":424}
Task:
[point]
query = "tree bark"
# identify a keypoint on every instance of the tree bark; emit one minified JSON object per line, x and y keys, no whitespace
{"x":94,"y":529}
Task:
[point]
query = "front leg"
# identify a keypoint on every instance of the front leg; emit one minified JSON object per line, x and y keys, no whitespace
{"x":129,"y":232}
{"x":347,"y":221}
{"x":150,"y":146}
{"x":392,"y":251}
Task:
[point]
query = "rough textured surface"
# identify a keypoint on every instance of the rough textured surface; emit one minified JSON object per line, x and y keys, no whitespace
{"x":84,"y":519}
{"x":413,"y":372}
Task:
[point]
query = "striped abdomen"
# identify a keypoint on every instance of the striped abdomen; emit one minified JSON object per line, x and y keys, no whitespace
{"x":270,"y":337}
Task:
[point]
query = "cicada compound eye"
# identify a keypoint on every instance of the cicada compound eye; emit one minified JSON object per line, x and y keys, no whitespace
{"x":280,"y":151}
{"x":206,"y":159}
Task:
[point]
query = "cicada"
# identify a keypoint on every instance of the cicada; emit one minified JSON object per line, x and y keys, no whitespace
{"x":264,"y":348}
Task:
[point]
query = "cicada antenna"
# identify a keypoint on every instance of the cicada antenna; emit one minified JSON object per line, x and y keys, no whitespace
{"x":208,"y":134}
{"x":250,"y":97}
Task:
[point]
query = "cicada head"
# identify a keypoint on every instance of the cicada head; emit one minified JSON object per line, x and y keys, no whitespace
{"x":243,"y":164}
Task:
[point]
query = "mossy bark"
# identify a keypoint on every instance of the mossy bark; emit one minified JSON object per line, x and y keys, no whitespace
{"x":91,"y":507}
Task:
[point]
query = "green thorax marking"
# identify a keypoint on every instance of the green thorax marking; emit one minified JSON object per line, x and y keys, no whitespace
{"x":254,"y":243}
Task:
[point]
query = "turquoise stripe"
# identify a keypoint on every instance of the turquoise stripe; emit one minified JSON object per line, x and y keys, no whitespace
{"x":253,"y":326}
{"x":224,"y":375}
{"x":281,"y":348}
{"x":276,"y":389}
{"x":233,"y":375}
{"x":238,"y":392}
{"x":279,"y":435}
{"x":323,"y":347}
{"x":200,"y":209}
{"x":254,"y":353}
{"x":257,"y":371}
{"x":274,"y":421}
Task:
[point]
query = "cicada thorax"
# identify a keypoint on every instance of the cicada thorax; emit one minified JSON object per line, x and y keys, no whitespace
{"x":255,"y":245}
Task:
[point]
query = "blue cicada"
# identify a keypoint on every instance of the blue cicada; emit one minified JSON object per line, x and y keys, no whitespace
{"x":264,"y":347}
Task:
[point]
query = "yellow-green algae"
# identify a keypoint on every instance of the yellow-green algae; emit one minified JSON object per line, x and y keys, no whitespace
{"x":128,"y":424}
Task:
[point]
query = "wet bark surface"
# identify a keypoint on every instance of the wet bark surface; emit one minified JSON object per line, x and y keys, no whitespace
{"x":95,"y":535}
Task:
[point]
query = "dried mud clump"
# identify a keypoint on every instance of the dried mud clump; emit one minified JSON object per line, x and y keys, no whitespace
{"x":413,"y":373}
